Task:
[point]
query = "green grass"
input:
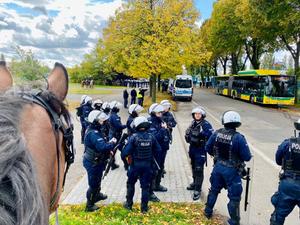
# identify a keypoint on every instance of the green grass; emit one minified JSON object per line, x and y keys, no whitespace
{"x":115,"y":214}
{"x":159,"y":97}
{"x":75,"y":88}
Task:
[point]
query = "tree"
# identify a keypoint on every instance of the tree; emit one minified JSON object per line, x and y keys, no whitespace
{"x":153,"y":39}
{"x":268,"y":61}
{"x":27,"y":68}
{"x":284,"y":19}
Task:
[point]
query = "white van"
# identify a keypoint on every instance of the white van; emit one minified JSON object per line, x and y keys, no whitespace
{"x":183,"y":87}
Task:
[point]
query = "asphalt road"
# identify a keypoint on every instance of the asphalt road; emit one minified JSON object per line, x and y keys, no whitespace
{"x":264,"y":128}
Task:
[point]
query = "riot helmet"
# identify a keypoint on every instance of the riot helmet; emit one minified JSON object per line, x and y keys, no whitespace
{"x":82,"y":100}
{"x":231,"y":119}
{"x":166,"y":104}
{"x":135,"y":109}
{"x":200,"y":110}
{"x":97,"y":104}
{"x":297,"y":124}
{"x":155,"y":109}
{"x":96,"y":116}
{"x":141,"y":123}
{"x":115,"y":106}
{"x":105,"y":107}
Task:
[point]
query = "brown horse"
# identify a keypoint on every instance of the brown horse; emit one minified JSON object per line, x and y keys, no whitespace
{"x":35,"y":148}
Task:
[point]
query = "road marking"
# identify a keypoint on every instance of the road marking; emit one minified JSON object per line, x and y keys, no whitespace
{"x":256,"y":150}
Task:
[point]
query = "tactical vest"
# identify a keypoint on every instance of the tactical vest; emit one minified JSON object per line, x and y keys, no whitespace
{"x":143,"y":149}
{"x":291,"y":162}
{"x":223,"y":148}
{"x":196,"y":138}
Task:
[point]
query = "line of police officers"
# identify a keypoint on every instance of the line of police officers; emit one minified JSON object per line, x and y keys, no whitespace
{"x":145,"y":152}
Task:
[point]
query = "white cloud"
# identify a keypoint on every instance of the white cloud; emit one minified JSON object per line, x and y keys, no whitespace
{"x":54,"y":30}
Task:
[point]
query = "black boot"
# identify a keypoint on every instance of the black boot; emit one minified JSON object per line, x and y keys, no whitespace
{"x":100,"y":196}
{"x":144,"y":207}
{"x":191,"y":187}
{"x":198,"y":182}
{"x":153,"y":197}
{"x":129,"y":197}
{"x":158,"y":186}
{"x":90,"y":204}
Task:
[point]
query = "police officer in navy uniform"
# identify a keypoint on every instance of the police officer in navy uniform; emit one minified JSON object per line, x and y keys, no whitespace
{"x":230,"y":150}
{"x":159,"y":129}
{"x":134,"y":110}
{"x":96,"y":153}
{"x":288,"y":194}
{"x":140,"y":151}
{"x":116,"y":126}
{"x":86,"y":108}
{"x":196,"y":135}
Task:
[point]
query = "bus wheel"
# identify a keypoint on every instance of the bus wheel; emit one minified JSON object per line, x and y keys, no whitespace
{"x":252,"y":99}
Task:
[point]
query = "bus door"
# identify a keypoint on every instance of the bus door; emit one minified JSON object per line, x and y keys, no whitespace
{"x":230,"y":82}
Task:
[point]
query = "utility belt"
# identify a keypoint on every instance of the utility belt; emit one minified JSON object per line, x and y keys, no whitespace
{"x":95,"y":157}
{"x":198,"y":143}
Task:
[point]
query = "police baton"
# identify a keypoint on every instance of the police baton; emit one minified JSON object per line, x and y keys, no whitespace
{"x":111,"y":158}
{"x":247,"y":178}
{"x":158,"y":167}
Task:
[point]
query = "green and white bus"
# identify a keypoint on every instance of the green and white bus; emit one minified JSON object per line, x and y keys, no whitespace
{"x":259,"y":86}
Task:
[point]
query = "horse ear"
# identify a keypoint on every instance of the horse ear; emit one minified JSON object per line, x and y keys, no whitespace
{"x":58,"y":81}
{"x":5,"y":77}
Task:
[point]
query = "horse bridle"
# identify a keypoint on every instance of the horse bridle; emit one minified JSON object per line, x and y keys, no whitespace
{"x":57,"y":125}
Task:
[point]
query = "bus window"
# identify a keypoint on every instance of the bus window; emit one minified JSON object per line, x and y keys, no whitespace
{"x":281,"y":86}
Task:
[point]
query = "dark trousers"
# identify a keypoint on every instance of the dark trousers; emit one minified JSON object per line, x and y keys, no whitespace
{"x":125,"y":102}
{"x":133,"y":99}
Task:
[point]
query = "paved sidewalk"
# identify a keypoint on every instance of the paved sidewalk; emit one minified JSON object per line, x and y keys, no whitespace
{"x":114,"y":185}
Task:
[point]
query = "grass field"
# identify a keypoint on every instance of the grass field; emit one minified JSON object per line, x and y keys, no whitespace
{"x":75,"y":88}
{"x":115,"y":214}
{"x":159,"y":97}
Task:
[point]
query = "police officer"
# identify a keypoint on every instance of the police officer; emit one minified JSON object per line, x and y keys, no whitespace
{"x":230,"y":150}
{"x":97,"y":104}
{"x":169,"y":119}
{"x":288,"y":194}
{"x":96,"y":154}
{"x":116,"y":127}
{"x":159,"y":129}
{"x":196,"y":135}
{"x":140,"y":151}
{"x":105,"y":108}
{"x":86,"y":108}
{"x":134,"y":110}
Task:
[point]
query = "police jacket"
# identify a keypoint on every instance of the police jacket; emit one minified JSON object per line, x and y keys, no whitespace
{"x":234,"y":144}
{"x":142,"y":146}
{"x":129,"y":124}
{"x":86,"y":109}
{"x":95,"y":145}
{"x":116,"y":126}
{"x":133,"y":93}
{"x":168,"y":118}
{"x":161,"y":134}
{"x":288,"y":156}
{"x":198,"y":133}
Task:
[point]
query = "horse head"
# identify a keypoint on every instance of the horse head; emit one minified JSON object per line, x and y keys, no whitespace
{"x":35,"y":141}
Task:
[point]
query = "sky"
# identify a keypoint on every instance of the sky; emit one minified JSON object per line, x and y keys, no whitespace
{"x":60,"y":30}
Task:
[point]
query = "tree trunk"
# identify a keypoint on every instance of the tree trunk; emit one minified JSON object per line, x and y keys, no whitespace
{"x":255,"y":54}
{"x":297,"y":73}
{"x":158,"y":83}
{"x":153,"y":88}
{"x":150,"y":85}
{"x":234,"y":63}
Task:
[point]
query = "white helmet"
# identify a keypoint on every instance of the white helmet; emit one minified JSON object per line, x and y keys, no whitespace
{"x":155,"y":107}
{"x":82,"y":100}
{"x":97,"y":101}
{"x":166,"y":104}
{"x":87,"y":99}
{"x":115,"y":104}
{"x":105,"y":105}
{"x":200,"y":110}
{"x":135,"y":108}
{"x":141,"y":122}
{"x":297,"y":124}
{"x":97,"y":115}
{"x":233,"y":117}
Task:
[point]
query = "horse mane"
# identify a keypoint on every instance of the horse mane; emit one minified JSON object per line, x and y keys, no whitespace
{"x":21,"y":199}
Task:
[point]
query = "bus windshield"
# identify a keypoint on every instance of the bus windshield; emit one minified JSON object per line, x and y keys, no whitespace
{"x":183,"y":83}
{"x":281,"y":86}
